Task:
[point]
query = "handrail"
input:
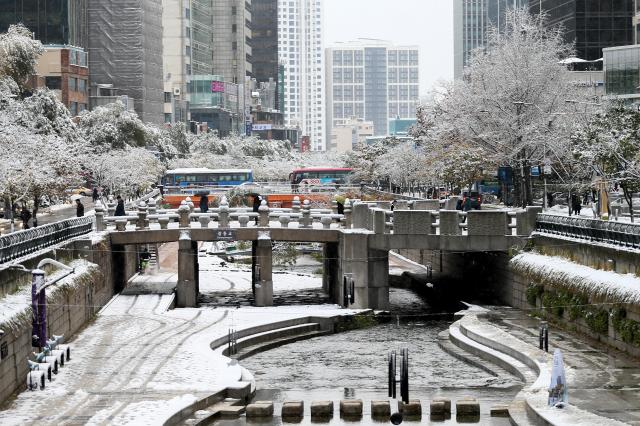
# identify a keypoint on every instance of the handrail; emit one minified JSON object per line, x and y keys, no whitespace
{"x":28,"y":241}
{"x":618,"y":233}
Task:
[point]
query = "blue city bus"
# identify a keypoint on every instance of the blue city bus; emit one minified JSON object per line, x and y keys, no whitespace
{"x":201,"y":177}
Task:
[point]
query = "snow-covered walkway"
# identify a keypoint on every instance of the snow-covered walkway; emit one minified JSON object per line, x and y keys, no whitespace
{"x":139,"y":363}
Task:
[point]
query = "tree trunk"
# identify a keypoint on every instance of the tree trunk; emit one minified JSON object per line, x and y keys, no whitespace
{"x":628,"y":197}
{"x":517,"y":187}
{"x":527,"y":196}
{"x":35,"y":210}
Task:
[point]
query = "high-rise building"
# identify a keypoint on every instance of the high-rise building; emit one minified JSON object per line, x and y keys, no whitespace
{"x":372,"y":80}
{"x":471,"y":22}
{"x":300,"y":52}
{"x":231,"y":39}
{"x":591,"y":24}
{"x":264,"y":43}
{"x":125,"y":50}
{"x":61,"y":22}
{"x":180,"y":22}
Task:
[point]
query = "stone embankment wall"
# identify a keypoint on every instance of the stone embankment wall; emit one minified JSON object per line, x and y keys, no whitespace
{"x":494,"y":277}
{"x":72,"y":303}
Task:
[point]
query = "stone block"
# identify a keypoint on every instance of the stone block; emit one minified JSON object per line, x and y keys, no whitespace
{"x":499,"y":411}
{"x":385,"y":205}
{"x":322,"y":409}
{"x":437,"y":408}
{"x":351,"y":407}
{"x":467,"y":407}
{"x":411,"y":222}
{"x":401,"y":205}
{"x":293,"y":409}
{"x":260,"y":409}
{"x":379,"y":220}
{"x":451,"y":202}
{"x":487,"y":223}
{"x":432,"y":205}
{"x":380,"y":408}
{"x":361,"y":217}
{"x":413,"y":408}
{"x":450,"y":222}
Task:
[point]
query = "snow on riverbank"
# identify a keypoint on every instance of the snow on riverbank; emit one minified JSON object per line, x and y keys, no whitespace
{"x":622,"y":288}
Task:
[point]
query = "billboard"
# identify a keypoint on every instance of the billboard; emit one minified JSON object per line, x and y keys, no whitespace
{"x":217,"y":87}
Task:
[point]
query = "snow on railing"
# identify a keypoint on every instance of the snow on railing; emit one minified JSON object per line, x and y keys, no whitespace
{"x":596,"y":230}
{"x":28,"y":241}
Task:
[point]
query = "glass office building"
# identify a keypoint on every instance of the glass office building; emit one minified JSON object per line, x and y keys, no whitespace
{"x":622,"y":71}
{"x":592,"y":24}
{"x":62,"y":22}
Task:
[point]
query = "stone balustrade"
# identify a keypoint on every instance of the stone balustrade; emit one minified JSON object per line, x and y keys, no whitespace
{"x":420,"y":217}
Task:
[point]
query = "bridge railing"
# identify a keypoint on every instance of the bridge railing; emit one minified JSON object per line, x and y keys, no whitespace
{"x":420,"y":217}
{"x":24,"y":242}
{"x":618,"y":233}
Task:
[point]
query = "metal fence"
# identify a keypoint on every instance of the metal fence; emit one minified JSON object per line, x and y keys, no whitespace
{"x":28,"y":241}
{"x":618,"y":233}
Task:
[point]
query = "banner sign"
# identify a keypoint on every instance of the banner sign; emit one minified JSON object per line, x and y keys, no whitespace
{"x":558,"y":392}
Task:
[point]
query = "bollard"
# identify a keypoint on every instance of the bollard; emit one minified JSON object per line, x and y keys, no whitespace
{"x":164,"y":222}
{"x":184,"y":213}
{"x":223,"y":213}
{"x":306,"y":215}
{"x":347,"y":213}
{"x":326,"y":222}
{"x":204,"y":221}
{"x":121,"y":224}
{"x":142,"y":216}
{"x":392,"y":374}
{"x":152,"y":206}
{"x":263,"y":211}
{"x":243,"y":220}
{"x":111,"y":206}
{"x":284,"y":221}
{"x":99,"y":209}
{"x":295,"y":205}
{"x":543,"y":336}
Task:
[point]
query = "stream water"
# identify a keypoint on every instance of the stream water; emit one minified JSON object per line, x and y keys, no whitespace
{"x":353,"y":365}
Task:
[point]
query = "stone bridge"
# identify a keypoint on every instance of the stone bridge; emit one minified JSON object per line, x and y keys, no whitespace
{"x":356,"y":243}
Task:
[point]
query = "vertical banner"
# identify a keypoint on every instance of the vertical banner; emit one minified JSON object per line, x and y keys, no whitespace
{"x":38,"y":304}
{"x":558,"y":392}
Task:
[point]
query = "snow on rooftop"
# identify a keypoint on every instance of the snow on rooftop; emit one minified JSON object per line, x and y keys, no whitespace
{"x":622,"y":288}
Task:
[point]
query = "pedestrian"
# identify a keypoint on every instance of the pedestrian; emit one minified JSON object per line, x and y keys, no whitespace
{"x":549,"y":199}
{"x":25,"y":215}
{"x":575,"y":204}
{"x":257,"y":202}
{"x":459,"y":203}
{"x":79,"y":208}
{"x":120,"y":207}
{"x":144,"y":259}
{"x":95,"y":195}
{"x":393,"y":205}
{"x":204,"y":203}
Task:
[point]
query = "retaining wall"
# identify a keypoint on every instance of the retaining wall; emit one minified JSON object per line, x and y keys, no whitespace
{"x":489,"y":276}
{"x":69,"y":309}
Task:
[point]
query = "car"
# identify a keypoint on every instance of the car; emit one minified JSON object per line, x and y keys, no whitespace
{"x":80,"y":190}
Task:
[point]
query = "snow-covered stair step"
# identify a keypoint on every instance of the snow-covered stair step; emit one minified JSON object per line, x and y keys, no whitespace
{"x":480,"y":350}
{"x":445,"y":343}
{"x":259,"y":342}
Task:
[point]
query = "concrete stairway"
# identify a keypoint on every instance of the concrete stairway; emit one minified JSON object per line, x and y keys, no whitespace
{"x":264,"y":341}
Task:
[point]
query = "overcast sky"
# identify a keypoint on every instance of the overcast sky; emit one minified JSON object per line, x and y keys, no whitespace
{"x":426,"y":23}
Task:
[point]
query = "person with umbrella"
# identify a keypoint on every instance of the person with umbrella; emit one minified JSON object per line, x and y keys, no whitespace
{"x":257,"y":201}
{"x":120,"y":207}
{"x":79,"y":208}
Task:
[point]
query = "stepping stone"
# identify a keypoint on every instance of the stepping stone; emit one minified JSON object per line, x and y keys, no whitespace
{"x":380,"y":408}
{"x":293,"y":409}
{"x":437,"y":408}
{"x":322,"y":409}
{"x":467,"y":407}
{"x":446,"y":402}
{"x":351,"y":407}
{"x":411,"y":409}
{"x":260,"y":409}
{"x":500,"y":411}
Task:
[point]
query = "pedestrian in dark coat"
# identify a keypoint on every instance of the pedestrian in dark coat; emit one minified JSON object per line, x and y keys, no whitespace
{"x":25,"y":215}
{"x":95,"y":195}
{"x":204,"y":203}
{"x":79,"y":208}
{"x":120,"y":207}
{"x":257,"y":201}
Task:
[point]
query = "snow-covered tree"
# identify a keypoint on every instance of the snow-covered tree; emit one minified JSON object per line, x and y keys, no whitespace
{"x":126,"y":171}
{"x":19,"y":54}
{"x":512,"y":101}
{"x":610,"y":145}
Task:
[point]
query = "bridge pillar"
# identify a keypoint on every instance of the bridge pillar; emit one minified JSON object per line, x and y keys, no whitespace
{"x":331,"y":266}
{"x":262,"y":277}
{"x":187,"y":288}
{"x":369,"y":268}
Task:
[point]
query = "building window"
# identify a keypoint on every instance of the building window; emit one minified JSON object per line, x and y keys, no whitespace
{"x":234,"y":10}
{"x":188,"y":50}
{"x":167,"y":97}
{"x":53,"y":83}
{"x":234,"y":45}
{"x":74,"y":109}
{"x":188,"y":32}
{"x":82,"y":85}
{"x":167,"y":117}
{"x":234,"y":28}
{"x":72,"y":86}
{"x":188,"y":66}
{"x":187,"y":13}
